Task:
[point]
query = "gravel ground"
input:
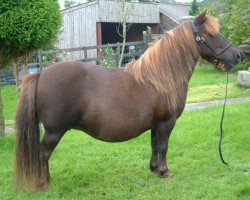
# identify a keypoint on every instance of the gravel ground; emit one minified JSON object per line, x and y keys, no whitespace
{"x":201,"y":105}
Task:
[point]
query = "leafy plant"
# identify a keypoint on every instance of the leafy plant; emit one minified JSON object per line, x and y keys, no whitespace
{"x":235,"y":24}
{"x":69,"y":3}
{"x":108,"y":57}
{"x":234,"y":20}
{"x":26,"y":26}
{"x":194,"y":8}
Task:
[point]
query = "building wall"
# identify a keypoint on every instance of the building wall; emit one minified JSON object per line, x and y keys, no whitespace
{"x":79,"y":29}
{"x":174,"y":10}
{"x":80,"y":22}
{"x":166,"y":23}
{"x":140,"y":12}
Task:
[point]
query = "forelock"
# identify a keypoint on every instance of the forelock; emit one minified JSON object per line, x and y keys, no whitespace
{"x":212,"y":25}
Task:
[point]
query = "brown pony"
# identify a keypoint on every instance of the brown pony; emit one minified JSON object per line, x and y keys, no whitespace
{"x":114,"y":104}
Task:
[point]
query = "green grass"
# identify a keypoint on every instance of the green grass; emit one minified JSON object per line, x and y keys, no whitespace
{"x":208,"y":83}
{"x":9,"y":103}
{"x":85,"y":168}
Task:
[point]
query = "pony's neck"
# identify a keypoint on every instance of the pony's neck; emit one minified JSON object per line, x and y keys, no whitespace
{"x":168,"y":65}
{"x":182,"y":47}
{"x":168,"y":62}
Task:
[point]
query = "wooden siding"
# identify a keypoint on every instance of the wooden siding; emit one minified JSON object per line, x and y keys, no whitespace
{"x":79,"y":29}
{"x":174,"y":10}
{"x":141,"y":13}
{"x":80,"y":23}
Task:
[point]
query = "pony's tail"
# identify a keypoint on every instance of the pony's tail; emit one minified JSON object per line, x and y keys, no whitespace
{"x":28,"y":159}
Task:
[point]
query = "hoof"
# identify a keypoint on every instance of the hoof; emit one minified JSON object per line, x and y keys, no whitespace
{"x":43,"y":186}
{"x":166,"y":174}
{"x":154,"y":169}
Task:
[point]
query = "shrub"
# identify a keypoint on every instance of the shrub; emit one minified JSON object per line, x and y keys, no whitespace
{"x":27,"y":25}
{"x":234,"y":22}
{"x":108,"y":57}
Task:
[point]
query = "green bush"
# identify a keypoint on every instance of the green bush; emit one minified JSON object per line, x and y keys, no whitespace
{"x":194,"y":8}
{"x":27,"y":25}
{"x":109,"y":57}
{"x":234,"y":22}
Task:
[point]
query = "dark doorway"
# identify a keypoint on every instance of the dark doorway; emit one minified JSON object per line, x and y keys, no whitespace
{"x":110,"y":35}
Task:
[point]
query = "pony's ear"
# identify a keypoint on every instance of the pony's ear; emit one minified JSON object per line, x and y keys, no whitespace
{"x":200,"y":19}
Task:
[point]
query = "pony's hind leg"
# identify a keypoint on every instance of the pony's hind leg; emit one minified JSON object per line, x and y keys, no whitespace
{"x":154,"y":156}
{"x":48,"y":144}
{"x":163,"y":132}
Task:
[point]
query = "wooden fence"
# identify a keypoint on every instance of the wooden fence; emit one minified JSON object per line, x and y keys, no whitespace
{"x":99,"y":48}
{"x":141,"y":47}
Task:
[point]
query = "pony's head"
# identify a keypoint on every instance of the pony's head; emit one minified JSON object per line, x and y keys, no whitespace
{"x":212,"y":45}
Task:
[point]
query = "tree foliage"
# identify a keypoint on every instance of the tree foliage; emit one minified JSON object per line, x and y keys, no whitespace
{"x":235,"y":23}
{"x":69,"y":3}
{"x":27,"y":25}
{"x":194,"y":8}
{"x":109,"y":57}
{"x":234,"y":17}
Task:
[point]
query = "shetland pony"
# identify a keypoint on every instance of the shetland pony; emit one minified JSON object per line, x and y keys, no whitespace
{"x":114,"y":104}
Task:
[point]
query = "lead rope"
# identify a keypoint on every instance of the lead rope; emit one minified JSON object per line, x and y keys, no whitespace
{"x":221,"y":124}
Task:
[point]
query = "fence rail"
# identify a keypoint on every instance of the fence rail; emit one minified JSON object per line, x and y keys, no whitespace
{"x":142,"y":45}
{"x":117,"y":46}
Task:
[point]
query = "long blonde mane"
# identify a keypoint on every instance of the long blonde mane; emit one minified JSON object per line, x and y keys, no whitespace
{"x":170,"y":61}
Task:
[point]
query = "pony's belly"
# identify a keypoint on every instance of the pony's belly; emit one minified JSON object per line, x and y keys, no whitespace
{"x":114,"y":132}
{"x":112,"y":135}
{"x":117,"y":124}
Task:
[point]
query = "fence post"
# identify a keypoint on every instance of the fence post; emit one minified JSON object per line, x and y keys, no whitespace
{"x":145,"y":41}
{"x":149,"y":31}
{"x":40,"y":59}
{"x":85,"y":55}
{"x":146,"y":38}
{"x":118,"y":50}
{"x":149,"y":34}
{"x":99,"y":55}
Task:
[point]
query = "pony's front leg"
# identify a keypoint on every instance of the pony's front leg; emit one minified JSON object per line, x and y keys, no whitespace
{"x":163,"y":132}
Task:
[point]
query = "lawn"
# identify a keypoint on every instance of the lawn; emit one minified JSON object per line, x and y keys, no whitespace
{"x":9,"y":103}
{"x":208,"y":83}
{"x":84,"y":168}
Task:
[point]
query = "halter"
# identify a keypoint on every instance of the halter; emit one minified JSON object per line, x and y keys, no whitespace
{"x":199,"y":38}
